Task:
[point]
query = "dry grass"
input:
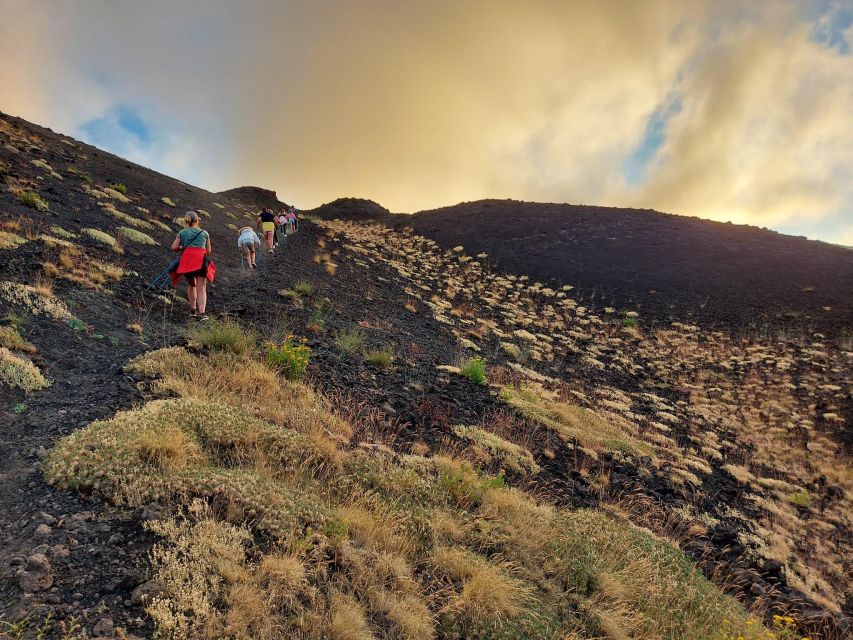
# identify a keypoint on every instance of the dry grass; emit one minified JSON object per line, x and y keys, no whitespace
{"x":34,"y":300}
{"x":17,"y":371}
{"x":597,"y":431}
{"x":292,"y":535}
{"x":10,"y":240}
{"x":12,"y":340}
{"x":241,"y":382}
{"x":77,"y":266}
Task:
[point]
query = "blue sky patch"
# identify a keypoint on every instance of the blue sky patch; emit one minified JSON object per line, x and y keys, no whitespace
{"x":831,"y":23}
{"x":112,"y":130}
{"x":633,"y":167}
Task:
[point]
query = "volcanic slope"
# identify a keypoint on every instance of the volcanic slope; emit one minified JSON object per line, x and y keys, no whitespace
{"x":389,"y":494}
{"x":666,"y":267}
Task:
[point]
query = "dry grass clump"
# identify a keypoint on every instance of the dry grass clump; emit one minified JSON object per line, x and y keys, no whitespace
{"x":593,"y":430}
{"x":180,"y":449}
{"x":76,"y":265}
{"x":35,"y":299}
{"x":17,"y":371}
{"x":12,"y":340}
{"x":293,"y":536}
{"x":507,"y":453}
{"x":111,"y":210}
{"x":104,"y":238}
{"x":223,"y":335}
{"x":242,"y":382}
{"x":10,"y":240}
{"x":33,"y":201}
{"x":137,"y":236}
{"x":59,"y":232}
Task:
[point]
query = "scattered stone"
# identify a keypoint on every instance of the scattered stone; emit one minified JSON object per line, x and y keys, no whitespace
{"x":104,"y":627}
{"x":146,"y":592}
{"x":42,"y":531}
{"x":37,"y":574}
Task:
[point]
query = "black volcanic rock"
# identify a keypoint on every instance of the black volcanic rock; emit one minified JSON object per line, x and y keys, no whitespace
{"x":256,"y":196}
{"x":353,"y":209}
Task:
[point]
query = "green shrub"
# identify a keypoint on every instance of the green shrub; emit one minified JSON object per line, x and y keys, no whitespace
{"x":33,"y":201}
{"x":382,"y":357}
{"x":223,"y":335}
{"x":136,"y":236}
{"x":475,"y":370}
{"x":290,"y":358}
{"x":801,"y":498}
{"x":628,"y":321}
{"x":121,"y":188}
{"x":304,"y":288}
{"x":350,"y":340}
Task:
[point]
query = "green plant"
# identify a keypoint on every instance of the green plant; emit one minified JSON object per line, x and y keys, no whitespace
{"x":16,"y":320}
{"x":20,"y":408}
{"x":382,"y":357}
{"x":304,"y":288}
{"x":350,"y":340}
{"x":33,"y":201}
{"x":223,"y":335}
{"x":76,"y":324}
{"x":114,"y":341}
{"x":317,"y":320}
{"x":289,"y":358}
{"x":474,"y":369}
{"x":801,"y":498}
{"x":121,"y":188}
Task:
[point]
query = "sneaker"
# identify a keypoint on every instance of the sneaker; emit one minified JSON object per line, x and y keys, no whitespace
{"x":193,"y":313}
{"x":203,"y":318}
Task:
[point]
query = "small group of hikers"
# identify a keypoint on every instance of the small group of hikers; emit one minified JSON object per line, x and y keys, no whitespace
{"x":273,"y":226}
{"x":196,"y":265}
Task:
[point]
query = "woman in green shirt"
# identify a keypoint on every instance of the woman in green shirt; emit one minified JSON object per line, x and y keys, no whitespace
{"x":195,"y":263}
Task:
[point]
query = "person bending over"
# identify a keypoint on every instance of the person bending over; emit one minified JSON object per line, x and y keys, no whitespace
{"x":266,"y":224}
{"x":247,"y":241}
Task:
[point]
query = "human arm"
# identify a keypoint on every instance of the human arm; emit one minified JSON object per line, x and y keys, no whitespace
{"x":208,"y":246}
{"x":176,"y":245}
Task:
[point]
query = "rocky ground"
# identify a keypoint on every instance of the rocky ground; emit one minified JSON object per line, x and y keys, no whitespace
{"x":729,"y":448}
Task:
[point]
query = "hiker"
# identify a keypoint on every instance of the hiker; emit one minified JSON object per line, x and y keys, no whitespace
{"x":291,"y":221}
{"x":247,"y":241}
{"x":280,"y":221}
{"x":266,"y":224}
{"x":195,"y":264}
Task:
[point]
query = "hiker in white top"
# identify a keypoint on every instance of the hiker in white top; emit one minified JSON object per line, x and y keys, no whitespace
{"x":247,"y":242}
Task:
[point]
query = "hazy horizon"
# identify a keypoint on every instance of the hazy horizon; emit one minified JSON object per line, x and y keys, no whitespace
{"x":721,"y":110}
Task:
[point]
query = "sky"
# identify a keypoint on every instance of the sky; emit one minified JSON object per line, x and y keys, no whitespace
{"x":733,"y":111}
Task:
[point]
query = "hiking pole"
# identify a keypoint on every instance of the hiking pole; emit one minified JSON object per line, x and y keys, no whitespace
{"x":163,"y":276}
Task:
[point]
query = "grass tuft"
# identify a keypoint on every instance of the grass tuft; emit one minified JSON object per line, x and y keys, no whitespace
{"x":381,"y":357}
{"x":223,"y":335}
{"x":475,"y":370}
{"x":33,"y":201}
{"x":350,"y":340}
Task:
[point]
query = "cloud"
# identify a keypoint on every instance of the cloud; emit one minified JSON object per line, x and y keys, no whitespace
{"x":713,"y":108}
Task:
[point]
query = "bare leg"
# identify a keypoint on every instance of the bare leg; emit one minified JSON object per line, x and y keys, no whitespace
{"x":201,"y":286}
{"x":191,"y":294}
{"x":252,"y":258}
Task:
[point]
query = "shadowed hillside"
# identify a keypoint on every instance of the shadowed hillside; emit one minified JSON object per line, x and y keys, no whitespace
{"x":254,"y":196}
{"x":378,"y":437}
{"x":665,"y":267}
